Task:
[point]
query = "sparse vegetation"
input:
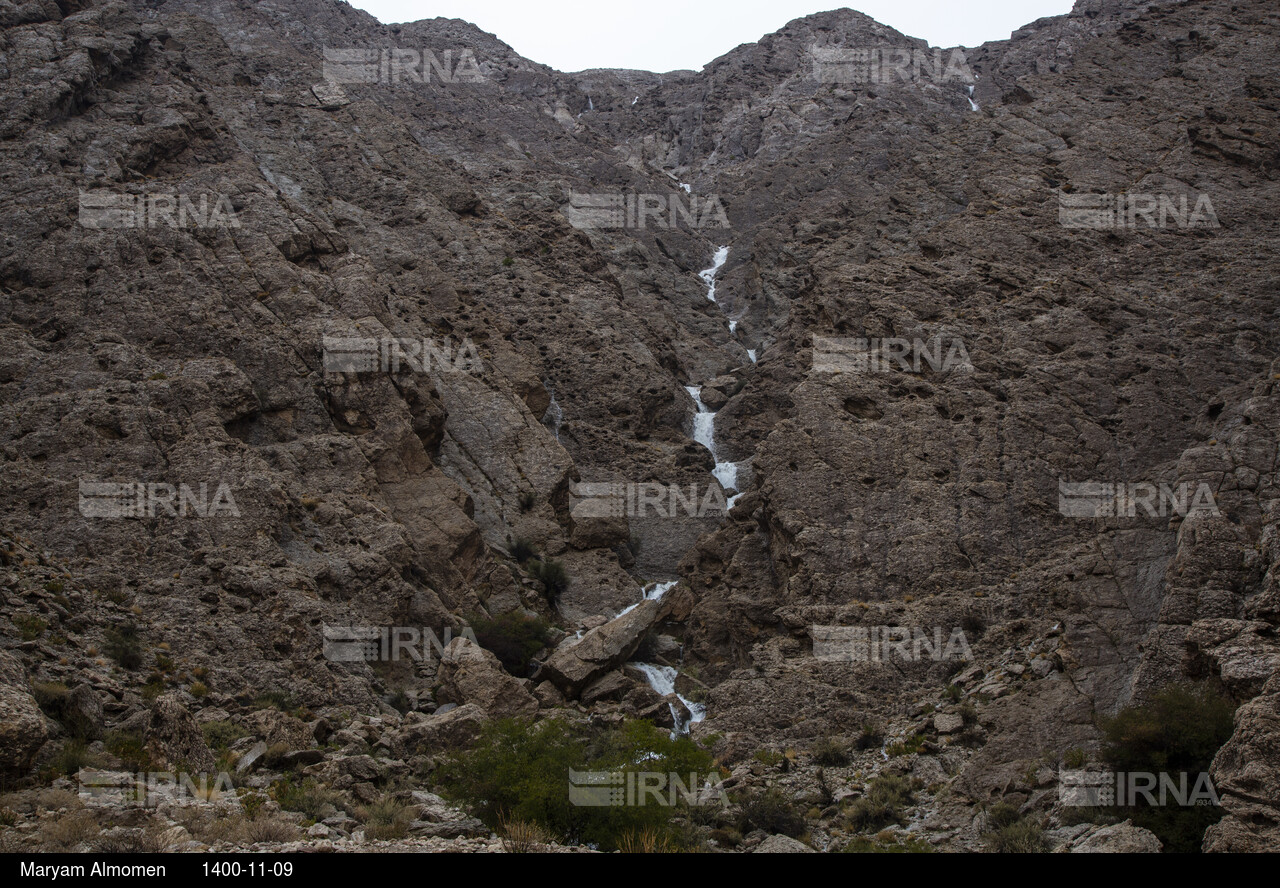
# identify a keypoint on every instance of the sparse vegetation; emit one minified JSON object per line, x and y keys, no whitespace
{"x":871,"y":736}
{"x":551,"y":574}
{"x":830,"y":752}
{"x":521,"y":549}
{"x":29,"y":626}
{"x":773,"y":812}
{"x":221,"y":734}
{"x":124,"y":645}
{"x":520,"y":836}
{"x":270,"y":829}
{"x":387,"y":818}
{"x":906,"y":746}
{"x":882,"y":804}
{"x":129,"y":746}
{"x":1013,"y":833}
{"x":887,"y":842}
{"x":274,"y":699}
{"x":645,"y":841}
{"x":513,"y":638}
{"x":519,"y":772}
{"x":1178,"y":732}
{"x":306,"y":797}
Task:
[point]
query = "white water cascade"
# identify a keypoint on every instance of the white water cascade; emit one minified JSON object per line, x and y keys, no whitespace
{"x":708,"y":275}
{"x":652,"y":592}
{"x":704,"y":432}
{"x":663,"y":680}
{"x":972,"y":104}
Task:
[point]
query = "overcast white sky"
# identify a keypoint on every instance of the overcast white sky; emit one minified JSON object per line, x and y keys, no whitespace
{"x":663,"y":35}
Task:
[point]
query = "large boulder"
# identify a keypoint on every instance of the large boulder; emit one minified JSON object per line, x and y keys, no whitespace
{"x":780,"y":844}
{"x":1246,"y":774}
{"x":423,"y":733}
{"x":22,"y":725}
{"x":276,"y":728}
{"x":174,"y":739}
{"x":83,"y":715}
{"x":605,"y":648}
{"x":1117,"y":838}
{"x":470,"y":674}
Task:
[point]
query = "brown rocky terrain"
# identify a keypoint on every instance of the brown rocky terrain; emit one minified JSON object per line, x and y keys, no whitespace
{"x":441,"y":212}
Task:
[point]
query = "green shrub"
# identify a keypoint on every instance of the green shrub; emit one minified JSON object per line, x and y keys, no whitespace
{"x":52,"y":698}
{"x":1002,"y":814}
{"x":883,"y":803}
{"x":521,"y":549}
{"x":219,"y":735}
{"x":830,"y":752}
{"x":871,"y":737}
{"x":519,"y":772}
{"x":129,"y":746}
{"x":386,"y":819}
{"x":912,"y":744}
{"x":772,"y":812}
{"x":73,"y":756}
{"x":513,"y":638}
{"x":1022,"y":836}
{"x":153,"y":687}
{"x":1178,"y":732}
{"x":29,"y":626}
{"x":1074,"y":758}
{"x":887,"y":843}
{"x":552,"y":575}
{"x":124,"y":645}
{"x":274,"y":699}
{"x":306,"y":797}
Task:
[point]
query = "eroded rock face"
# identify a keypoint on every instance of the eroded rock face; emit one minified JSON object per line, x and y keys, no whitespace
{"x":1118,"y":838}
{"x":22,"y":725}
{"x":173,"y":738}
{"x":1246,"y":774}
{"x":396,"y":495}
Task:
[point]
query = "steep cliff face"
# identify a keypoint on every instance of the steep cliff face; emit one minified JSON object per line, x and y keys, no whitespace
{"x":440,"y":208}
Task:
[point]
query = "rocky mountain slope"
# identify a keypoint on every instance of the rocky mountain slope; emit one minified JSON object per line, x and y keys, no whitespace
{"x":443,"y":211}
